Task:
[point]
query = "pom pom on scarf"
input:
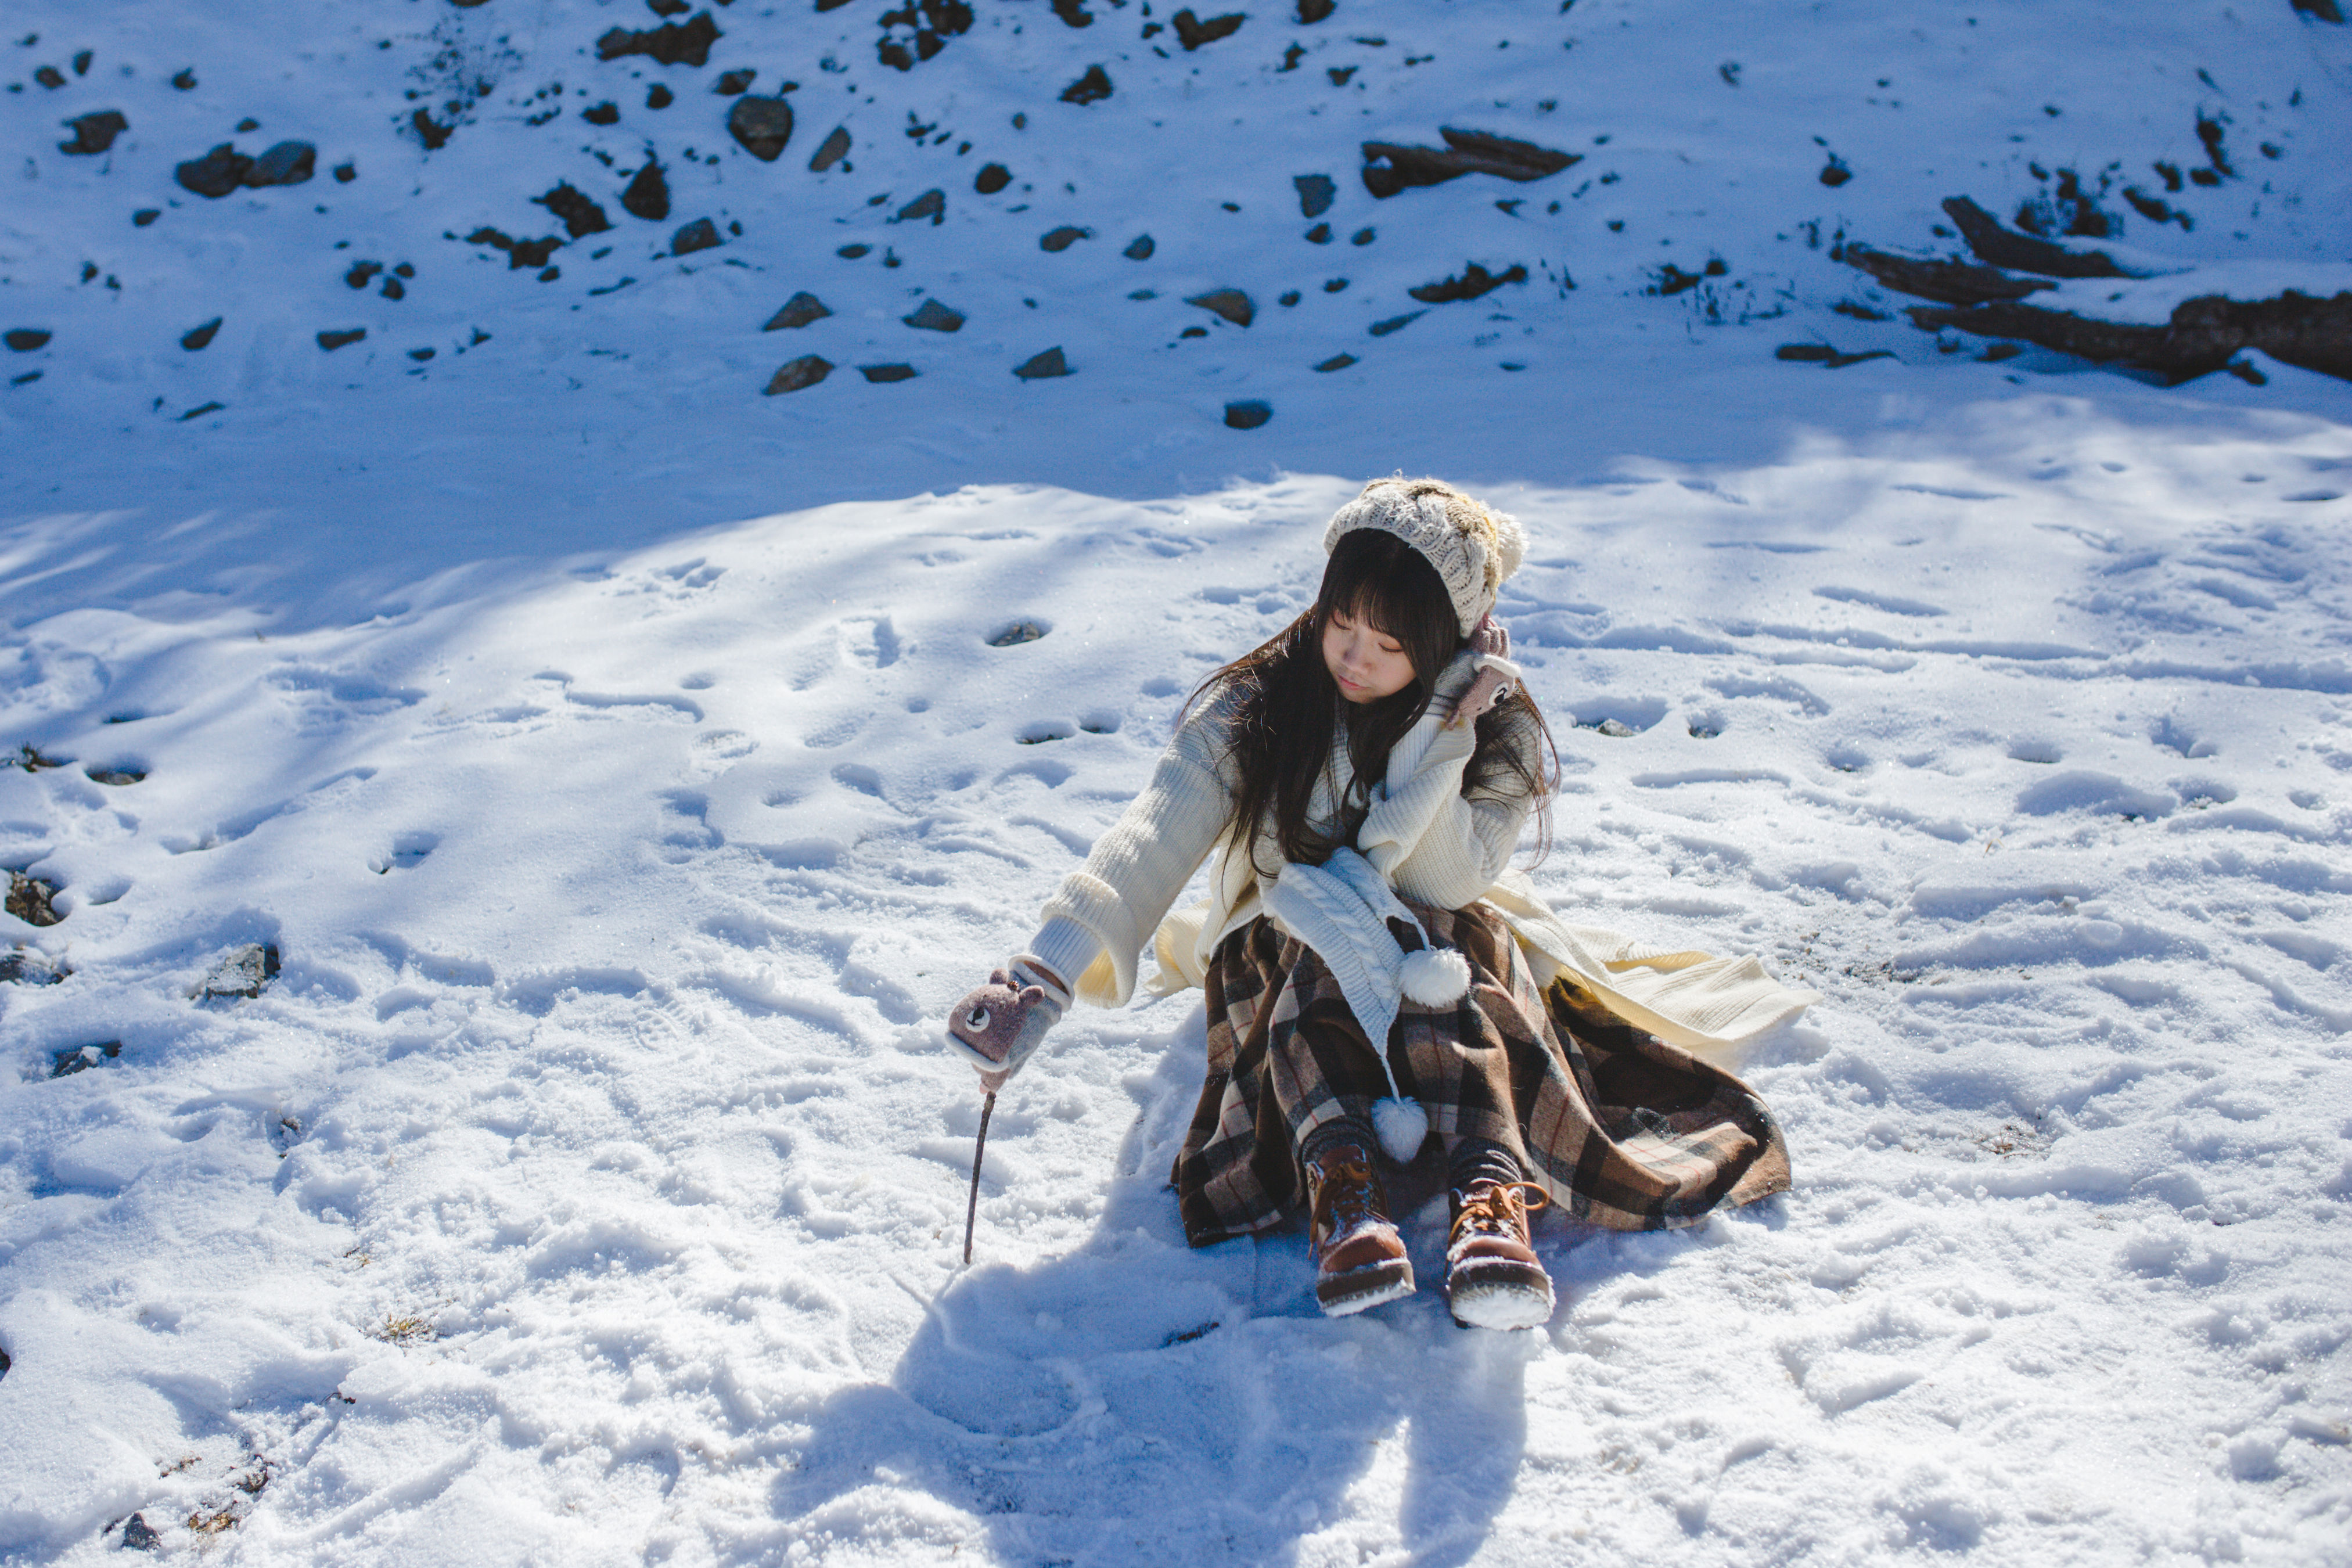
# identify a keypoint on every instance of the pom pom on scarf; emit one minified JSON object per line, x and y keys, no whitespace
{"x":1434,"y":976}
{"x":1402,"y":1124}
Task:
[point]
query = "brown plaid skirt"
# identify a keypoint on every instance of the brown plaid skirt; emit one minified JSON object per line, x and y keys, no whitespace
{"x":1619,"y":1128}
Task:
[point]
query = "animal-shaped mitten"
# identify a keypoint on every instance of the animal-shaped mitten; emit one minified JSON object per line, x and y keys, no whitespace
{"x":1491,"y":642}
{"x":999,"y":1025}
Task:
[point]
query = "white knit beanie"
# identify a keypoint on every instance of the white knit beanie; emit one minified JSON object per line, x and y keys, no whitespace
{"x":1474,"y":549}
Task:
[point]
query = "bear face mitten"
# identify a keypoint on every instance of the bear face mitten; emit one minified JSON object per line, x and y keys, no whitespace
{"x":998,"y":1025}
{"x":1490,"y":647}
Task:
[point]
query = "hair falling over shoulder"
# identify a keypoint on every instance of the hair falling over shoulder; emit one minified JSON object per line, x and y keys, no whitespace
{"x":1288,"y":713}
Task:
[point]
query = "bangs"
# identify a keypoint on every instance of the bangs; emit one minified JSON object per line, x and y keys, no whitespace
{"x":1375,"y":577}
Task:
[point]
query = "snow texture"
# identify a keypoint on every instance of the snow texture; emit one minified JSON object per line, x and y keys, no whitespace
{"x":623,"y":771}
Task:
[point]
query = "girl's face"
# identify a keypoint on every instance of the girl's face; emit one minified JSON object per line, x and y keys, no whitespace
{"x":1366,"y":663}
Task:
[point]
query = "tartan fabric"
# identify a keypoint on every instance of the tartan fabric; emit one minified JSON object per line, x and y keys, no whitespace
{"x":1620,"y":1129}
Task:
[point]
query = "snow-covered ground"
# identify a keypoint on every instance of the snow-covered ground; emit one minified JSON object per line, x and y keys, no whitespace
{"x":620,"y":766}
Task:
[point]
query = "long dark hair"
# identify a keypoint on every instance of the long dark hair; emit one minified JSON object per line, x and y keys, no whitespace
{"x":1286,"y":707}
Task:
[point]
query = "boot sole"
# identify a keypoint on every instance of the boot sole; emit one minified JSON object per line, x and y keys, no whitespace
{"x":1360,"y":1290}
{"x":1499,"y":1295}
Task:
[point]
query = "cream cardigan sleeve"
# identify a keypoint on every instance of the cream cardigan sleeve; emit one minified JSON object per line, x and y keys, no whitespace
{"x":1135,"y":870}
{"x":1435,"y":844}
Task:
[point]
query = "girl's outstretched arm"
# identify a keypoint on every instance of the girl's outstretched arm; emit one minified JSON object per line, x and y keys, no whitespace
{"x":1113,"y":903}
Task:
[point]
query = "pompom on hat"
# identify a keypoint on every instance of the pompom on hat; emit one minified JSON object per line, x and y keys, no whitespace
{"x":1475,"y":549}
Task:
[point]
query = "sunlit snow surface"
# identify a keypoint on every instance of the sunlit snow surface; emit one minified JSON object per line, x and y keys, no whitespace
{"x":586,"y":1188}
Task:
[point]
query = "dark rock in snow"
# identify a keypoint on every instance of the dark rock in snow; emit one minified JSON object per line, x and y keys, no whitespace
{"x":1949,"y":282}
{"x":23,"y":966}
{"x":137,"y":1535}
{"x":660,"y":97}
{"x":1191,"y":32}
{"x":429,"y":130}
{"x":1475,"y":281}
{"x":1064,"y":237}
{"x":1834,"y":173}
{"x":932,"y":205}
{"x":1313,"y":11}
{"x":934,"y":317}
{"x":243,"y":972}
{"x":1316,"y":192}
{"x":331,"y":341}
{"x":671,"y":44}
{"x":671,"y":7}
{"x":1073,"y":11}
{"x":345,"y":173}
{"x":2323,"y":10}
{"x":581,"y":216}
{"x":1140,"y":248}
{"x":1389,"y":167}
{"x":361,"y":273}
{"x":146,"y":215}
{"x":1231,"y":303}
{"x":1319,"y":235}
{"x":2003,"y":248}
{"x":28,"y":899}
{"x":2202,"y":336}
{"x":1248,"y":414}
{"x":49,"y":77}
{"x":852,"y":252}
{"x":700,"y":235}
{"x":114,"y":777}
{"x":1091,"y":87}
{"x":805,"y":371}
{"x":1823,"y":353}
{"x":884,"y":373}
{"x":24,"y":339}
{"x":197,"y":337}
{"x":94,"y":132}
{"x":606,"y":114}
{"x":1382,"y":329}
{"x":216,"y":173}
{"x":185,"y":80}
{"x":1043,"y":366}
{"x":729,"y":83}
{"x":933,"y":22}
{"x":81,"y":1058}
{"x":761,"y":125}
{"x":648,"y":193}
{"x":287,"y":163}
{"x":201,"y":409}
{"x":1337,"y":362}
{"x":520,"y":253}
{"x":991,"y":178}
{"x":798,"y":312}
{"x":832,"y":151}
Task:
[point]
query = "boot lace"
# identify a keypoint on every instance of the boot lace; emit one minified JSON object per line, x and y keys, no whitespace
{"x":1344,"y":1195}
{"x":1495,"y":1208}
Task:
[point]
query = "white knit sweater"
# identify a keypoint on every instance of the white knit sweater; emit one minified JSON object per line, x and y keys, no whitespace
{"x":1434,"y":844}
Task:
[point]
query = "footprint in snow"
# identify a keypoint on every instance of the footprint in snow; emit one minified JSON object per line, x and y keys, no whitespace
{"x":408,"y":849}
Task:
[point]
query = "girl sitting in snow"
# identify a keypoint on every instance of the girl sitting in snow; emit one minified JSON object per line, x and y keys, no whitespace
{"x":1365,"y":777}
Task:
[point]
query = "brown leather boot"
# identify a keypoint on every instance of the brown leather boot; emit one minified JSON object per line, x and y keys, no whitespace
{"x":1493,"y":1280}
{"x":1359,"y":1260}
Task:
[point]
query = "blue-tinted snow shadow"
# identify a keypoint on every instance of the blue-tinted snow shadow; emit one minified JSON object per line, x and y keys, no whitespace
{"x":1137,"y":1400}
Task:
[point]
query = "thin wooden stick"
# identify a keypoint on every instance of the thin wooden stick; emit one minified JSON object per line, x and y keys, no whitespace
{"x":972,"y":1210}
